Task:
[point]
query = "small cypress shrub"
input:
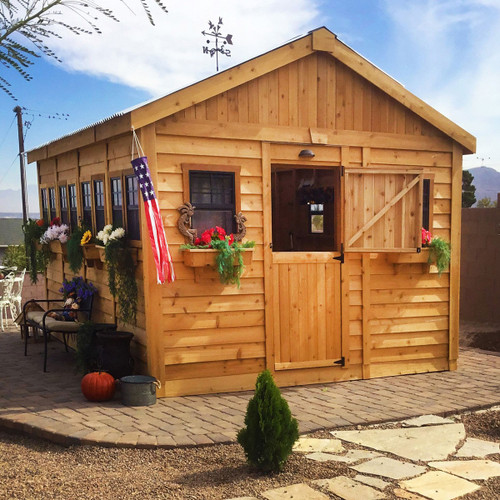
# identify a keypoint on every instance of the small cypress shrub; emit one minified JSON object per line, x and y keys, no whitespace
{"x":270,"y":430}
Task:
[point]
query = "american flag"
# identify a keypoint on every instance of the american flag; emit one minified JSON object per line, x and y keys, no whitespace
{"x":163,"y":259}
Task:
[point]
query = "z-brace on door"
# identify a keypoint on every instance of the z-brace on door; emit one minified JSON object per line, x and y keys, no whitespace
{"x":305,"y":273}
{"x":383,"y":209}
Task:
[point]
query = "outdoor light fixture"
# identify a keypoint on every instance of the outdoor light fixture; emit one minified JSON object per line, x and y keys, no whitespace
{"x":306,"y":153}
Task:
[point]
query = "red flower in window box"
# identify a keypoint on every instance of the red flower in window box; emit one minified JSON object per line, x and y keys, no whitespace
{"x":56,"y":221}
{"x":40,"y":223}
{"x":426,"y":237}
{"x":214,"y":234}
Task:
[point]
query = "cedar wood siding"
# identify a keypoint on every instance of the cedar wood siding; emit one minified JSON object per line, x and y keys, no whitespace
{"x":214,"y":336}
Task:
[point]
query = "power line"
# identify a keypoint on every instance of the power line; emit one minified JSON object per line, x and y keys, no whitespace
{"x":8,"y":130}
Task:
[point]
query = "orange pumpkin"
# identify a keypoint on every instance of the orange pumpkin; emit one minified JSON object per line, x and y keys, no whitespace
{"x":98,"y":386}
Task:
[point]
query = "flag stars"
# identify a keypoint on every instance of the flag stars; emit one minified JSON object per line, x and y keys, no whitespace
{"x":141,"y":176}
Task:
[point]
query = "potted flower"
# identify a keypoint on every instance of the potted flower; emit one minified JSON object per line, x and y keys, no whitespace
{"x":218,"y":249}
{"x":56,"y":236}
{"x":121,"y":266}
{"x":434,"y":250}
{"x":38,"y":254}
{"x":439,"y":251}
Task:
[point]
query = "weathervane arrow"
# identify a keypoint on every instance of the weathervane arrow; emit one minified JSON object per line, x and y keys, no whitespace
{"x":215,"y":50}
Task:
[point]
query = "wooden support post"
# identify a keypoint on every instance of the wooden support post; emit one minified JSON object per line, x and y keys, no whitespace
{"x":270,"y":290}
{"x":365,"y":277}
{"x":456,"y":221}
{"x":344,"y":274}
{"x":152,"y":291}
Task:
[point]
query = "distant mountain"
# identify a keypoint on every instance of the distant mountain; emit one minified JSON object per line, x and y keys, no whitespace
{"x":487,"y":182}
{"x":10,"y":201}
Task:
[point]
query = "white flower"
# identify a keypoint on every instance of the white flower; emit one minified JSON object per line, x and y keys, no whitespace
{"x":105,"y":238}
{"x":107,"y":228}
{"x":117,"y":234}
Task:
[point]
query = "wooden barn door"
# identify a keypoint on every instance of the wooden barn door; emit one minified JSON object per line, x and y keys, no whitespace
{"x":303,"y":274}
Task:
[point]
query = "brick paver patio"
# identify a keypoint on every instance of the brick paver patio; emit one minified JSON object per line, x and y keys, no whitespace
{"x":50,"y":405}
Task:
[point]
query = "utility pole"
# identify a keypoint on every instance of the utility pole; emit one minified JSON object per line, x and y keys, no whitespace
{"x":22,"y":164}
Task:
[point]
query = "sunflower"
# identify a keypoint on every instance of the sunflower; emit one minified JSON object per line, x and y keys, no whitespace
{"x":87,"y":235}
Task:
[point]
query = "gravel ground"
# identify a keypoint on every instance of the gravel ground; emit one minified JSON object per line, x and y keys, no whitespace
{"x":34,"y":469}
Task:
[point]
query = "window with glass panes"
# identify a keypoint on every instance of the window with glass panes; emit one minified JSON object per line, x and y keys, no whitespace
{"x":100,"y":216}
{"x":63,"y":203}
{"x":73,"y":206}
{"x":45,"y":205}
{"x":116,"y":201}
{"x":132,"y":207}
{"x":52,"y":202}
{"x":213,"y":195}
{"x":87,"y":204}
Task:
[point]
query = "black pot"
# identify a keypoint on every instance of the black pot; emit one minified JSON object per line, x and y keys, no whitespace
{"x":113,"y":353}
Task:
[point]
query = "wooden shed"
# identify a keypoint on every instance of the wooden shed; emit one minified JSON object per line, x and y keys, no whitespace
{"x":336,"y":168}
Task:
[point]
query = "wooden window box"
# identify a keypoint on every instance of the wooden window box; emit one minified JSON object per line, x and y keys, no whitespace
{"x":55,"y":246}
{"x":194,"y":257}
{"x":102,"y":253}
{"x":409,"y":257}
{"x":91,"y":255}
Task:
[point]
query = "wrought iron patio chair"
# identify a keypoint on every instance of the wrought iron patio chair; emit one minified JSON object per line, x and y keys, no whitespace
{"x":41,"y":320}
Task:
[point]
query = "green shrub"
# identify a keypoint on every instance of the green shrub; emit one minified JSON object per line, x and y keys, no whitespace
{"x":270,"y":430}
{"x":15,"y":256}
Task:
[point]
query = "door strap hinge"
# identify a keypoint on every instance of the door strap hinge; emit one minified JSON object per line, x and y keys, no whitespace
{"x":340,"y":361}
{"x":341,"y":256}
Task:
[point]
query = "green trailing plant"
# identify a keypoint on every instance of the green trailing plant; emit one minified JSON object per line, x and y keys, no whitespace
{"x":229,"y":260}
{"x":439,"y":253}
{"x":74,"y":248}
{"x":270,"y":430}
{"x":38,"y":258}
{"x":121,"y":272}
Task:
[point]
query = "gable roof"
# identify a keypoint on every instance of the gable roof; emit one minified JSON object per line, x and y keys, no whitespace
{"x":321,"y":39}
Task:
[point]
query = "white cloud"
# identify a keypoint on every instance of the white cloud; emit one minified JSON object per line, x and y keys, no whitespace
{"x":169,"y":55}
{"x":455,"y":44}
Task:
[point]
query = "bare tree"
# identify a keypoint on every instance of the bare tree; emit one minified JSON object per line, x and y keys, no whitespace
{"x":25,"y":25}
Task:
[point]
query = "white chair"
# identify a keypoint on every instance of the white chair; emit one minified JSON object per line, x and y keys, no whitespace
{"x":17,"y":292}
{"x":6,"y":299}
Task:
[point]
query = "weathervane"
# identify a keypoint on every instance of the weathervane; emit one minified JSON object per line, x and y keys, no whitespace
{"x":215,"y":32}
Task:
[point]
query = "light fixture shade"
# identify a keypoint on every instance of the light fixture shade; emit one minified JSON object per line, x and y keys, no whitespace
{"x":306,"y":153}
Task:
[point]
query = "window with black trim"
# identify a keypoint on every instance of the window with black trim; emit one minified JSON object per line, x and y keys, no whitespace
{"x":213,"y":195}
{"x":63,"y":203}
{"x":87,"y":204}
{"x":100,"y":215}
{"x":52,"y":202}
{"x":73,"y":206}
{"x":45,"y":205}
{"x":116,"y":201}
{"x":132,"y":207}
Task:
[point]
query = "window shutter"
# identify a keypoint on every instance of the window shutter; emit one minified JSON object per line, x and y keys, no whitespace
{"x":383,"y":209}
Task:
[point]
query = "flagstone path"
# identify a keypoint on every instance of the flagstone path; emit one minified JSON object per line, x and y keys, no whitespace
{"x":399,"y":460}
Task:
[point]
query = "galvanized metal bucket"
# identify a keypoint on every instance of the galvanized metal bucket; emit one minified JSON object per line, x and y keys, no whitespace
{"x":139,"y":390}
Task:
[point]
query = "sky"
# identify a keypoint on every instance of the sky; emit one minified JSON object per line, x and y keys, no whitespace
{"x":447,"y":52}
